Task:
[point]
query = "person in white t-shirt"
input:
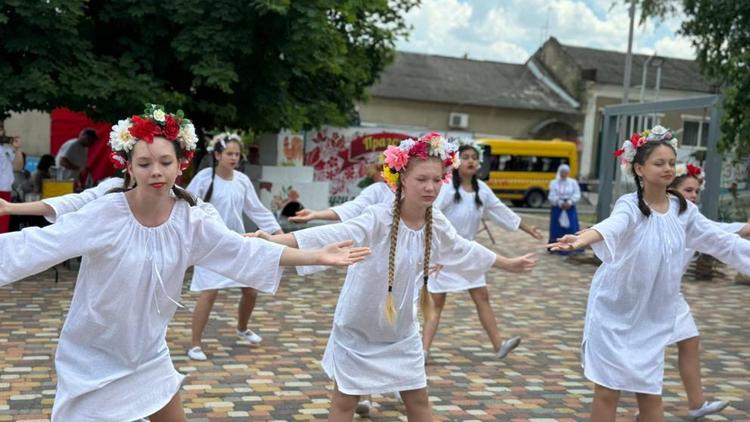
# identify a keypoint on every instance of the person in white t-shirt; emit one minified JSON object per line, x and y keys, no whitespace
{"x":73,"y":154}
{"x":11,"y":160}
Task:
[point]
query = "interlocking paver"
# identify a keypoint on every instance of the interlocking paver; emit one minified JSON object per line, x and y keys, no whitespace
{"x":281,"y":379}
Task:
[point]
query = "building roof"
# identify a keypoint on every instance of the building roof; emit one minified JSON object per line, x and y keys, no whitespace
{"x":423,"y":77}
{"x":678,"y":74}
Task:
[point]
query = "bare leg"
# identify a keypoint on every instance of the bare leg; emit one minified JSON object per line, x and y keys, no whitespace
{"x":481,"y":298}
{"x":172,"y":412}
{"x":430,"y":327}
{"x":200,"y":314}
{"x":604,"y":407}
{"x":246,"y":306}
{"x":649,"y":408}
{"x":690,"y":370}
{"x":417,"y":405}
{"x":342,"y":406}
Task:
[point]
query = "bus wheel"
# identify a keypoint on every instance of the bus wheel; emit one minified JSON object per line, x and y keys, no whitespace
{"x":535,"y":198}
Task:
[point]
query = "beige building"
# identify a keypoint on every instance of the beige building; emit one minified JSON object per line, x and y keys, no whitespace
{"x":594,"y":78}
{"x":479,"y":98}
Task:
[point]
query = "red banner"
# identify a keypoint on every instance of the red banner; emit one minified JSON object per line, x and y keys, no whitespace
{"x":373,"y":142}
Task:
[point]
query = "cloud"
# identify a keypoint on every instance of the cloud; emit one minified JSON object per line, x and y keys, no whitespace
{"x":511,"y":30}
{"x":675,"y":47}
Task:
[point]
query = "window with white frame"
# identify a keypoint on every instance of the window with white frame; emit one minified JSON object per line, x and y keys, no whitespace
{"x":694,"y":133}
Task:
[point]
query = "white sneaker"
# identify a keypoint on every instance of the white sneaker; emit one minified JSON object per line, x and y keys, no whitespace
{"x":250,"y":336}
{"x":507,"y":346}
{"x":196,"y":354}
{"x":708,"y":408}
{"x":363,"y":408}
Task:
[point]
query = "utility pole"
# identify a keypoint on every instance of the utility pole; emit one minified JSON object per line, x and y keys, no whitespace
{"x":629,"y":55}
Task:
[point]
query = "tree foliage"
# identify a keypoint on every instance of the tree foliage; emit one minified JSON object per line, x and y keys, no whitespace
{"x":262,"y":64}
{"x":720,"y":32}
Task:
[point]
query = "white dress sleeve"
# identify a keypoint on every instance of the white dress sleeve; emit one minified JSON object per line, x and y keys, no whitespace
{"x":35,"y":249}
{"x":249,"y":261}
{"x":553,"y":197}
{"x":730,"y":227}
{"x":75,"y":201}
{"x":707,"y":237}
{"x":495,"y":210}
{"x":254,"y":209}
{"x":614,"y":228}
{"x":359,"y":230}
{"x":445,"y":197}
{"x":199,"y":184}
{"x":450,"y":249}
{"x":351,"y":209}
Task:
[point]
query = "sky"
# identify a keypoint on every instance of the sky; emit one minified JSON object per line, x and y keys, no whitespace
{"x":511,"y":30}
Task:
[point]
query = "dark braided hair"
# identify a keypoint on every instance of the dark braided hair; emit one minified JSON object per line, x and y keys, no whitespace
{"x":179,"y":192}
{"x":218,"y":148}
{"x":641,"y":156}
{"x":474,"y":181}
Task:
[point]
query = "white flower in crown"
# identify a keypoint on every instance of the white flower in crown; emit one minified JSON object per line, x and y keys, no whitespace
{"x":680,"y":170}
{"x":456,"y":162}
{"x":437,"y":147}
{"x":406,"y":144}
{"x":120,"y":138}
{"x":159,"y":115}
{"x":188,"y":137}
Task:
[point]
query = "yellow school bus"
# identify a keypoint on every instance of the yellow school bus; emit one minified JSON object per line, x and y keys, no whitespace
{"x":520,"y":170}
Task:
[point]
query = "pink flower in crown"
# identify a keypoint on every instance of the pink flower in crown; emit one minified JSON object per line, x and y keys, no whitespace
{"x":395,"y":157}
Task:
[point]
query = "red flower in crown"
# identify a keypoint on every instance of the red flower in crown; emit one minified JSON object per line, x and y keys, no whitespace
{"x":118,"y":161}
{"x":171,"y":128}
{"x":637,"y":139}
{"x":421,"y":149}
{"x":694,"y":170}
{"x":619,"y":152}
{"x":144,"y":129}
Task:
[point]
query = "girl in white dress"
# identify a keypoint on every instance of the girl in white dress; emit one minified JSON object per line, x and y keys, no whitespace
{"x":112,"y":359}
{"x":374,"y":346}
{"x":232,"y":194}
{"x":465,"y":202}
{"x":635,"y":293}
{"x":688,"y":182}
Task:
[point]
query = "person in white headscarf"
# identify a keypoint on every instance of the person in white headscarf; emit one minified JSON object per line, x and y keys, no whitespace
{"x":564,"y":193}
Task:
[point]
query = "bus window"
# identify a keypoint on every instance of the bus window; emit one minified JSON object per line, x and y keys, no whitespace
{"x":525,"y":163}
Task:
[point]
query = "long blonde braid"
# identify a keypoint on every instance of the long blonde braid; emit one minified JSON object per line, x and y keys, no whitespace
{"x":425,"y":299}
{"x":390,"y":306}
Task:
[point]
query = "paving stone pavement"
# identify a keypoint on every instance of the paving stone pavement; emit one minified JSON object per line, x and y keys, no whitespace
{"x":282,"y":380}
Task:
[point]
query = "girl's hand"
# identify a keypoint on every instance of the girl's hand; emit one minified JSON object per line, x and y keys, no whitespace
{"x":259,"y":234}
{"x":4,"y":207}
{"x":535,"y":233}
{"x":569,"y":242}
{"x":303,"y":216}
{"x":342,"y":254}
{"x":520,"y":264}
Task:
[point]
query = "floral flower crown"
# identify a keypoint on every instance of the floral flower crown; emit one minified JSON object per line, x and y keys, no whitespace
{"x":626,"y":154}
{"x":222,"y":139}
{"x":464,"y":142}
{"x":689,"y":170}
{"x":153,"y":122}
{"x":433,"y":144}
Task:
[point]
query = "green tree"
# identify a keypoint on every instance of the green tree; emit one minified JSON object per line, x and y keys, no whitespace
{"x":260,"y":64}
{"x":720,"y":32}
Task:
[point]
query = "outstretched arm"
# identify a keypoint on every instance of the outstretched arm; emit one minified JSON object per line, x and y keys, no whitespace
{"x":571,"y":242}
{"x":25,"y":208}
{"x":303,"y":216}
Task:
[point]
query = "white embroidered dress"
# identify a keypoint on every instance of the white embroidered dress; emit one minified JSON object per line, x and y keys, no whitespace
{"x":684,"y":326}
{"x":634,"y":296}
{"x":365,"y":354}
{"x":112,"y":359}
{"x":466,"y":218}
{"x":231,"y":198}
